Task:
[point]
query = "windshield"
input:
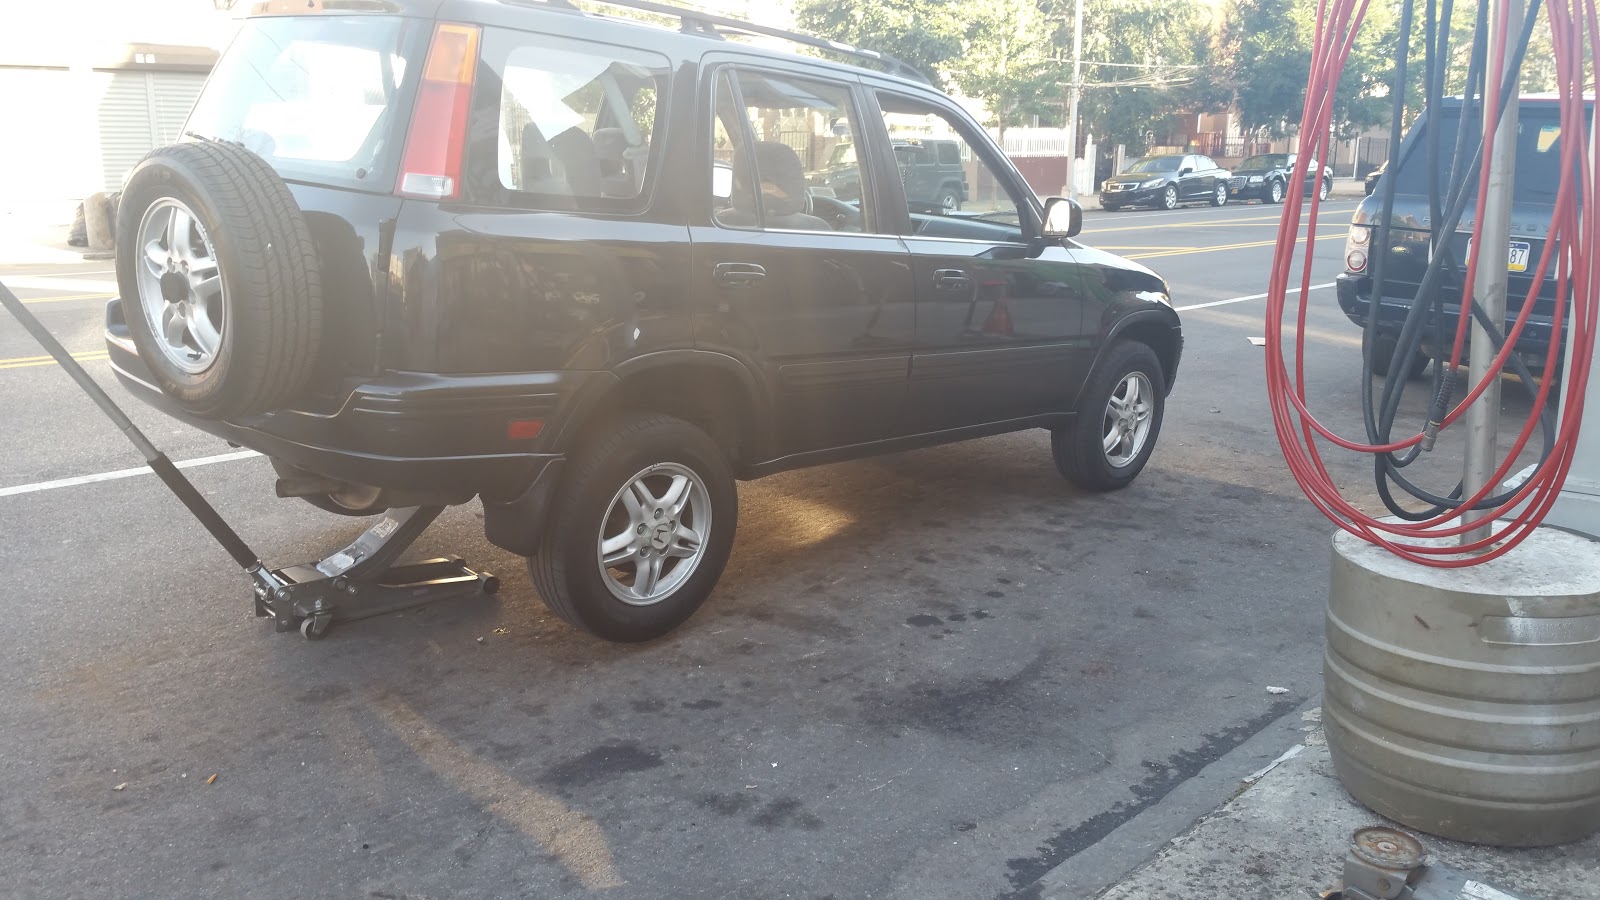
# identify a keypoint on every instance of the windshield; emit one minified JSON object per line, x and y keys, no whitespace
{"x":843,"y":155}
{"x":313,"y":95}
{"x":1157,"y":164}
{"x":1266,"y":161}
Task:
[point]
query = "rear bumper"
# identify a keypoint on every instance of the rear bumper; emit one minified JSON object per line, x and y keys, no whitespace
{"x":403,"y":430}
{"x":1355,"y":296}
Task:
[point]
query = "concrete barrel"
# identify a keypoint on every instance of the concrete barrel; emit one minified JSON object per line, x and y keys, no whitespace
{"x":1466,"y":702}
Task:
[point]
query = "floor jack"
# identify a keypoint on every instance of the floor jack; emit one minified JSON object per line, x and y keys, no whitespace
{"x":358,"y":582}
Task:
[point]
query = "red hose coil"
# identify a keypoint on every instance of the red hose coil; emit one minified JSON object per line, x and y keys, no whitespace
{"x":1570,"y":245}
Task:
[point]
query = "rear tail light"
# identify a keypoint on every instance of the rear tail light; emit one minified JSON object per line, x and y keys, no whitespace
{"x":1355,"y":248}
{"x":431,"y":166}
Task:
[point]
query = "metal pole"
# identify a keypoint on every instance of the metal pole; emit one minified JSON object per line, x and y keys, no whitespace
{"x":1070,"y":189}
{"x":1491,"y":240}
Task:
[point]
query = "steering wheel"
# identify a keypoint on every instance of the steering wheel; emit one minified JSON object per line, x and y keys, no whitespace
{"x":839,"y":214}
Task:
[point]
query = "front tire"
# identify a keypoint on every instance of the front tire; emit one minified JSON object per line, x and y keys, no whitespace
{"x":641,"y":529}
{"x":1275,"y":191}
{"x":1111,"y":438}
{"x":1169,"y":197}
{"x":1111,"y":207}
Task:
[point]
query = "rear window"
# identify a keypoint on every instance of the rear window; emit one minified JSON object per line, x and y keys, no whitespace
{"x":1538,"y":172}
{"x":315,"y":96}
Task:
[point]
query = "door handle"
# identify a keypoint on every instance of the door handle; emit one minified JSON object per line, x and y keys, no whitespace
{"x":737,"y":275}
{"x":951,"y":280}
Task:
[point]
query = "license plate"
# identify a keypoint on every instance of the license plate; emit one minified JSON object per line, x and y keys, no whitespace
{"x":1518,"y":260}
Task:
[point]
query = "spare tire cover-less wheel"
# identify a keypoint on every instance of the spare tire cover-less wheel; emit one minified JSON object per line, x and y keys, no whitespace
{"x":219,"y":279}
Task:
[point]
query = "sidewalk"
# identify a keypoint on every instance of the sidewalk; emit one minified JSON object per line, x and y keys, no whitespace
{"x":37,"y":236}
{"x":1286,"y":836}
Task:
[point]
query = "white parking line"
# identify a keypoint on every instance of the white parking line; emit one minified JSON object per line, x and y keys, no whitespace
{"x":51,"y":283}
{"x":120,"y":473}
{"x":1314,"y":287}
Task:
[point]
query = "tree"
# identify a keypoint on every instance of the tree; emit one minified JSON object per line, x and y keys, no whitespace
{"x":924,"y":34}
{"x":1008,"y":62}
{"x":1149,"y":59}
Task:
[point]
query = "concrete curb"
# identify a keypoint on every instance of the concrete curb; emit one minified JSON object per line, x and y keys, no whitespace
{"x":1286,"y":835}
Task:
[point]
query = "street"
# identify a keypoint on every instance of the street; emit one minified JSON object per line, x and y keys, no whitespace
{"x":934,"y":674}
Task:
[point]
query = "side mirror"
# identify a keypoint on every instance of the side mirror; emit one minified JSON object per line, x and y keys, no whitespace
{"x":721,"y":180}
{"x":1063,"y":218}
{"x":1185,"y":171}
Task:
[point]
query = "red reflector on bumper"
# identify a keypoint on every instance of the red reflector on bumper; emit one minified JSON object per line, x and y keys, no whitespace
{"x":524,"y":429}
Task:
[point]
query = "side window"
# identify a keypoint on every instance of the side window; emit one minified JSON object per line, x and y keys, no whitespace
{"x":961,"y":183}
{"x":1206,"y":164}
{"x":575,"y":121}
{"x":789,"y":147}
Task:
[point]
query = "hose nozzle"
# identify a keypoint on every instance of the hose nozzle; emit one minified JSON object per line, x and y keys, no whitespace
{"x":1440,"y":404}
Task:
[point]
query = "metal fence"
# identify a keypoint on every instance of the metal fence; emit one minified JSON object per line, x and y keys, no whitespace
{"x":1222,"y":146}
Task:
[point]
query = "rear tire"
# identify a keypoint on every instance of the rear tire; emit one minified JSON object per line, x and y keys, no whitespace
{"x":1108,"y":412}
{"x":1324,"y":189}
{"x":599,"y":504}
{"x":1219,"y":197}
{"x":1383,"y":357}
{"x":219,"y":279}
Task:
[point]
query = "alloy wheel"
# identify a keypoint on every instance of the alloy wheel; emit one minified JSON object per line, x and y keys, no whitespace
{"x":180,"y":286}
{"x":654,"y":534}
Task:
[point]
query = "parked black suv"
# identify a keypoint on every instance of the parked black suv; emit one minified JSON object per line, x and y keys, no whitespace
{"x":1406,"y":253}
{"x":930,"y":171}
{"x":1265,"y":177}
{"x":417,"y":251}
{"x":1166,"y":182}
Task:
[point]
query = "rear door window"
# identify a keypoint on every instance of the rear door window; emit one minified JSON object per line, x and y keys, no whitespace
{"x":317,"y":97}
{"x":576,"y":123}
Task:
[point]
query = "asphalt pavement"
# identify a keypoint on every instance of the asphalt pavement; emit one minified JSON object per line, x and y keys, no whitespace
{"x":936,"y":674}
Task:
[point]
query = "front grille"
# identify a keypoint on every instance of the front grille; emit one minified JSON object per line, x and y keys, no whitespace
{"x":1236,"y":181}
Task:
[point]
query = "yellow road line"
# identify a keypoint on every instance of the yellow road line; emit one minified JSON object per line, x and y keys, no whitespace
{"x":23,"y":362}
{"x":1320,"y":237}
{"x":69,"y":297}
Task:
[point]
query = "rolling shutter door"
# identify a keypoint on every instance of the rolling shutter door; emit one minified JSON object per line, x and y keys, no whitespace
{"x":175,"y":93}
{"x":140,"y":111}
{"x":127,"y":125}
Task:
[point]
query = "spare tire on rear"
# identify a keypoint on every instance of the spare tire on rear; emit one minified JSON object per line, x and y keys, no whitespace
{"x":219,"y":279}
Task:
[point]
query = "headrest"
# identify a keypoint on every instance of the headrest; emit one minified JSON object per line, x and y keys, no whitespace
{"x":783,"y":180}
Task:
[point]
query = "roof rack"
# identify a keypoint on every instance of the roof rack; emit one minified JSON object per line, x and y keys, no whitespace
{"x":694,"y":21}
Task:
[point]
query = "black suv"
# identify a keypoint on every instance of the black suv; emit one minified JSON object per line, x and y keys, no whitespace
{"x":1407,"y":252}
{"x":417,"y":251}
{"x":1166,"y":182}
{"x":930,"y":171}
{"x":1265,"y":177}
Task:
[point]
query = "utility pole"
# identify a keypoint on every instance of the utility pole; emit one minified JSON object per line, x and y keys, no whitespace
{"x":1070,"y":189}
{"x":1491,"y":240}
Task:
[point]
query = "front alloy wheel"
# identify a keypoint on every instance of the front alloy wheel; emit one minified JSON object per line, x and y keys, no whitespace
{"x":1275,"y":191}
{"x":1113,"y":434}
{"x":1169,"y":197}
